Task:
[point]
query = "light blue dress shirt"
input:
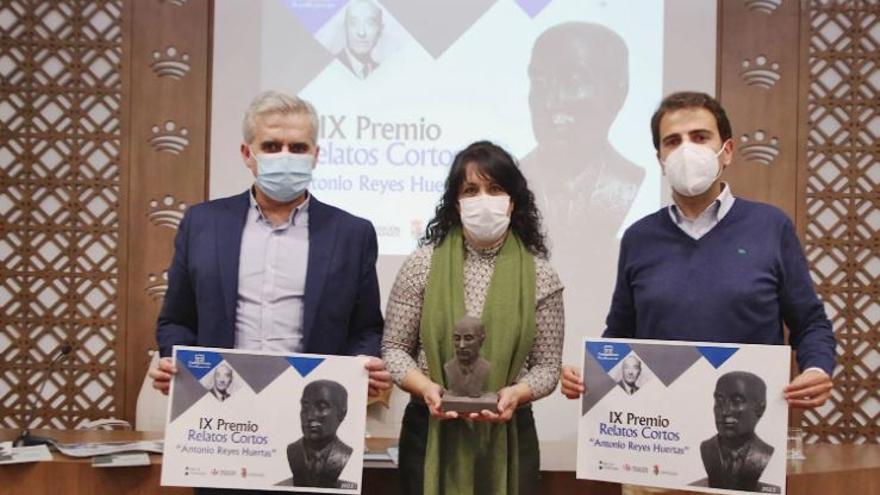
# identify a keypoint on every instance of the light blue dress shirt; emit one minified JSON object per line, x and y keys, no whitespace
{"x":272,"y":281}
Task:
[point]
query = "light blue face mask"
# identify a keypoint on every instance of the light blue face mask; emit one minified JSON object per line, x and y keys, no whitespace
{"x":283,"y":176}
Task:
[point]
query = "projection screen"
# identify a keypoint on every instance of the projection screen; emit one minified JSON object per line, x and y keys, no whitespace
{"x":567,"y":86}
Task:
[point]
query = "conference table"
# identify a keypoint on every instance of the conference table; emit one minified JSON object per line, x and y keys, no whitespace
{"x":827,"y":470}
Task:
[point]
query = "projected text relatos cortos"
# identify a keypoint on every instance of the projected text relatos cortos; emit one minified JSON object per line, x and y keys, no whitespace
{"x":378,"y":185}
{"x":361,"y":141}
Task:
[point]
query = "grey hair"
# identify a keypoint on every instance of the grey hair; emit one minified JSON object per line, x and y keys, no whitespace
{"x":366,"y":2}
{"x":275,"y":102}
{"x":633,"y":360}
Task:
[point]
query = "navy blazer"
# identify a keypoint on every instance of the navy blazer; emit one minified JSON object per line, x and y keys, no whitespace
{"x":341,"y":308}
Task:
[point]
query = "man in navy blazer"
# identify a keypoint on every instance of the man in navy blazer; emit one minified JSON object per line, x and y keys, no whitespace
{"x":200,"y":304}
{"x":273,"y":268}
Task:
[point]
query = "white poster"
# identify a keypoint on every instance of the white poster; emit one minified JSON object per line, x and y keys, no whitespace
{"x":706,"y":417}
{"x":268,"y":421}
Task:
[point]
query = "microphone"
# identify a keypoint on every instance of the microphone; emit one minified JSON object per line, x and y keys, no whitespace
{"x":25,"y":439}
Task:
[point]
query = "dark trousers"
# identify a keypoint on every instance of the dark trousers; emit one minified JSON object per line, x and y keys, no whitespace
{"x":414,"y":443}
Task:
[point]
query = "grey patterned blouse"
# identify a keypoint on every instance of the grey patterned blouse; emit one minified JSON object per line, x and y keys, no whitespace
{"x":402,"y":350}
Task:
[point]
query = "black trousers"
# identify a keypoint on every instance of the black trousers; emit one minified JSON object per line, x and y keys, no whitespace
{"x":414,"y":443}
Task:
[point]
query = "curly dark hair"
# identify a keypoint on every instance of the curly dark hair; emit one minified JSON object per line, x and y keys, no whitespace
{"x":496,"y":164}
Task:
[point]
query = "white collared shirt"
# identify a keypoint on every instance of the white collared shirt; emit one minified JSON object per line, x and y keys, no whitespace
{"x":708,"y":219}
{"x":272,"y":281}
{"x":361,"y":69}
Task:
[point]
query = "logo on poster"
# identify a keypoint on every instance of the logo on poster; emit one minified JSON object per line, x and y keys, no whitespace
{"x":634,"y":468}
{"x":608,"y":353}
{"x":198,"y":362}
{"x":193,"y":471}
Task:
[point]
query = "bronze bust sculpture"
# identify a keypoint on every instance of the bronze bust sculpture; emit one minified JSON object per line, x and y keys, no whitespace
{"x":468,"y":372}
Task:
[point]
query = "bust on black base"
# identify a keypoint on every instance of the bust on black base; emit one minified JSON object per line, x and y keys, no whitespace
{"x":467,"y":373}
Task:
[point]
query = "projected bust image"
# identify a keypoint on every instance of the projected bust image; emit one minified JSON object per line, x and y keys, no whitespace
{"x":578,"y":83}
{"x":363,"y":28}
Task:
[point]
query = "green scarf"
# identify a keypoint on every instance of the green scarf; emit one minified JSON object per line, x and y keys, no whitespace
{"x":465,"y":457}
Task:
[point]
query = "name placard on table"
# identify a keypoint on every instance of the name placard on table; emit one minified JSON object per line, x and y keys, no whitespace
{"x":268,"y":421}
{"x":695,"y":416}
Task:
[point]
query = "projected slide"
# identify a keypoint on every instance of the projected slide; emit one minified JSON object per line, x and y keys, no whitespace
{"x":567,"y":86}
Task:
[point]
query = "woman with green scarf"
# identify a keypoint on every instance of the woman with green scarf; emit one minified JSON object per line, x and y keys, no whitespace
{"x":483,"y":255}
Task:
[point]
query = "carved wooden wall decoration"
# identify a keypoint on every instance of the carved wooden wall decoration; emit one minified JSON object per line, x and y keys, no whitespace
{"x":169,"y":148}
{"x":841,"y":199}
{"x":62,"y":179}
{"x":102,"y":147}
{"x":801,"y":83}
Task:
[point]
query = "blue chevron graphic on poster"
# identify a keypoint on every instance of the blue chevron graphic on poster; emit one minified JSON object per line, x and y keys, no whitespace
{"x":717,"y":355}
{"x":304,"y":365}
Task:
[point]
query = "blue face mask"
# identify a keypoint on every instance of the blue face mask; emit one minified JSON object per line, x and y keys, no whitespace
{"x":283,"y":176}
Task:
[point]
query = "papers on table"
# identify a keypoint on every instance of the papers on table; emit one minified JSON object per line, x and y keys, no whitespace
{"x":91,"y":449}
{"x":16,"y":455}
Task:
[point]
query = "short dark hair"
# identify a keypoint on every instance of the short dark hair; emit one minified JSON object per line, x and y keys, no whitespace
{"x":690,"y":99}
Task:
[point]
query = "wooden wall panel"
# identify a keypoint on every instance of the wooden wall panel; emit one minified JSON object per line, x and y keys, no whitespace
{"x":758,"y":64}
{"x":168,"y":129}
{"x":103,"y":144}
{"x":63,"y":191}
{"x":840,"y":197}
{"x":815,"y":91}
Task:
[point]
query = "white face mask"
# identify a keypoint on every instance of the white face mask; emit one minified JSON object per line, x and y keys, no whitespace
{"x":485,"y":217}
{"x":692,"y":168}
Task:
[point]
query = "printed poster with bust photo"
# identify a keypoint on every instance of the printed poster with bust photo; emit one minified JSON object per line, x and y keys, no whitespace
{"x":697,"y":416}
{"x":265,"y":421}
